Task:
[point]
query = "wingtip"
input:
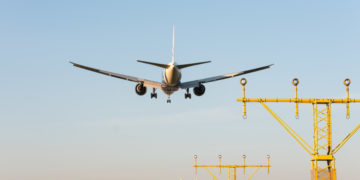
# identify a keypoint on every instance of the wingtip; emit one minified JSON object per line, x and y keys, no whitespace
{"x":74,"y":64}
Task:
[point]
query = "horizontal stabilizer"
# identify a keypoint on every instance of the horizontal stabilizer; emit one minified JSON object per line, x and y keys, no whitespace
{"x":154,"y":64}
{"x":192,"y":64}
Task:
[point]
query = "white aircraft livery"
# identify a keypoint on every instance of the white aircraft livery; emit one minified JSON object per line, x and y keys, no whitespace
{"x":171,"y":79}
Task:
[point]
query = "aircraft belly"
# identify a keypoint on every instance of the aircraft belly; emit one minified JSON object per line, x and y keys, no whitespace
{"x":170,"y":89}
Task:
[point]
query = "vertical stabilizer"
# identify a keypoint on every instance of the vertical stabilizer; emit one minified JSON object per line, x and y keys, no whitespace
{"x":173,"y":46}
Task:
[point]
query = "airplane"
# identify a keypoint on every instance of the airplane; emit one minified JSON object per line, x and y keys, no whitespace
{"x":171,"y":77}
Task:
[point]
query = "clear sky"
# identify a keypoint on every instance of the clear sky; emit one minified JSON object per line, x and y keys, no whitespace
{"x":60,"y":122}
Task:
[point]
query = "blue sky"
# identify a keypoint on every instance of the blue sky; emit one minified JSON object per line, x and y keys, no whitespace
{"x":59,"y":122}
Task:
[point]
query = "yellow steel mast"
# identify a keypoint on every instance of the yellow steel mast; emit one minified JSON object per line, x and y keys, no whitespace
{"x":322,"y":152}
{"x":232,"y":168}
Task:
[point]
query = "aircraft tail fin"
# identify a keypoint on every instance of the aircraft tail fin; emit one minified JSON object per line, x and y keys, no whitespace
{"x":192,"y":64}
{"x":173,"y":47}
{"x":154,"y":64}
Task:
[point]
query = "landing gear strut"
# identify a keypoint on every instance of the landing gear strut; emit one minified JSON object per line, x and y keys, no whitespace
{"x":153,"y":94}
{"x":187,"y":94}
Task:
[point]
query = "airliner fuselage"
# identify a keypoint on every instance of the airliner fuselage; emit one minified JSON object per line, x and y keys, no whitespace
{"x":171,"y":79}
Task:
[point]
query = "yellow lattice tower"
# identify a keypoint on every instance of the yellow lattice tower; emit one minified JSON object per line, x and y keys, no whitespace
{"x":323,"y":161}
{"x":232,"y":168}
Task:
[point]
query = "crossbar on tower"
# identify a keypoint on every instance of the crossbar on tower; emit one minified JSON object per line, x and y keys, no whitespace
{"x":232,"y":173}
{"x":322,"y":151}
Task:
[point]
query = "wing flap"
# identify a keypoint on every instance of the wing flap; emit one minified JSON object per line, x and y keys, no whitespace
{"x":153,"y":84}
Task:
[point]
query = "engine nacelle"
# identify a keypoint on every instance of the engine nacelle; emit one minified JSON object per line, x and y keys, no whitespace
{"x":140,"y":89}
{"x":199,"y":91}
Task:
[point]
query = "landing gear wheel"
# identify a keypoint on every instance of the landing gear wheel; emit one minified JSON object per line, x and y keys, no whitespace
{"x":168,"y":101}
{"x":153,"y":95}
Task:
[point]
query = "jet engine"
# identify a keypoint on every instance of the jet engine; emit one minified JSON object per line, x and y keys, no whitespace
{"x":199,"y":91}
{"x":140,"y":89}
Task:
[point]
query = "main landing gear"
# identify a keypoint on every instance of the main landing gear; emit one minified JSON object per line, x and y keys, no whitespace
{"x":187,"y":94}
{"x":153,"y":94}
{"x":168,"y":100}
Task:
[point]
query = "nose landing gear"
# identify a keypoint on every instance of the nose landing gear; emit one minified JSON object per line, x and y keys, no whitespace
{"x":168,"y":100}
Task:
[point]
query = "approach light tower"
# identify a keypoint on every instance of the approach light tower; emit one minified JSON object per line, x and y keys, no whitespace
{"x":322,"y":151}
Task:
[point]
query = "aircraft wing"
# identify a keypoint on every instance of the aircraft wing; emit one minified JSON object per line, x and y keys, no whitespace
{"x":196,"y":83}
{"x":145,"y":82}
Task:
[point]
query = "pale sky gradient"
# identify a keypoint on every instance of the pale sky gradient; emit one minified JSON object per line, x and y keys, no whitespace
{"x":60,"y":122}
